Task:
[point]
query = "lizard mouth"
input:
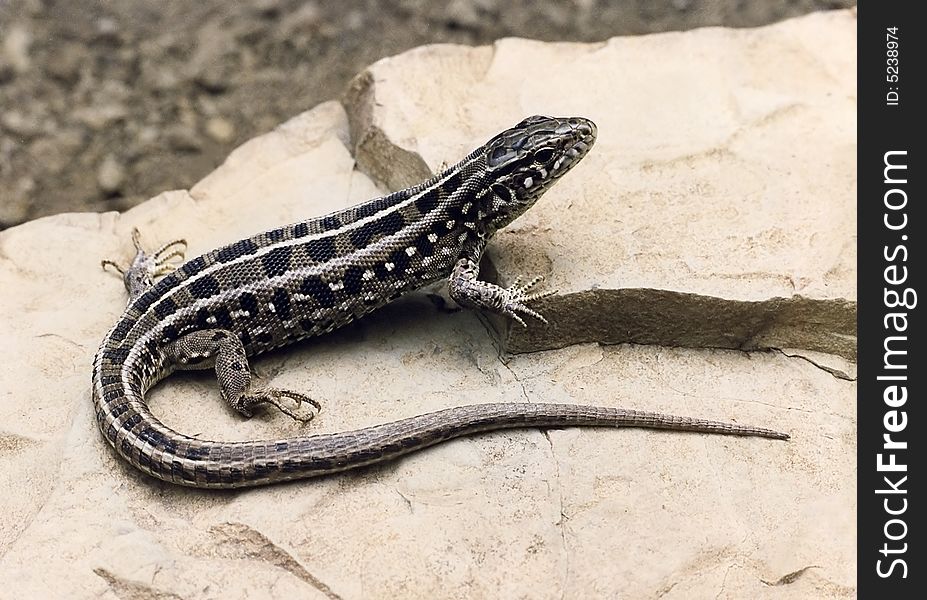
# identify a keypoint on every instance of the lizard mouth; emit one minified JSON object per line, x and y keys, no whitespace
{"x":585,"y":134}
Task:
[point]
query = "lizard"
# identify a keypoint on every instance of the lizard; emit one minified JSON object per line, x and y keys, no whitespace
{"x":314,"y":276}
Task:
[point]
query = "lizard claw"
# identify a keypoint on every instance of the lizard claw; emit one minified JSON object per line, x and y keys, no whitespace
{"x":516,"y":299}
{"x":274,"y":396}
{"x":162,"y":257}
{"x":138,"y":276}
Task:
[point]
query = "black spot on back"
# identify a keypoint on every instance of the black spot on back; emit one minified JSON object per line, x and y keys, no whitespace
{"x":165,"y":308}
{"x":319,"y":290}
{"x":277,"y":261}
{"x":363,"y":235}
{"x":275,"y":235}
{"x":321,"y":250}
{"x":300,"y":230}
{"x":428,"y":201}
{"x":379,"y":270}
{"x":424,"y":245}
{"x":281,"y":302}
{"x":353,"y":279}
{"x":400,"y":259}
{"x":374,"y":230}
{"x":391,"y":223}
{"x":453,"y":182}
{"x":223,"y":318}
{"x":248,"y":302}
{"x":204,"y":287}
{"x":170,"y":333}
{"x":202,"y":314}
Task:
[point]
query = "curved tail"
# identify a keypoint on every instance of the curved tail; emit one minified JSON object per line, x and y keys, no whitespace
{"x":173,"y":457}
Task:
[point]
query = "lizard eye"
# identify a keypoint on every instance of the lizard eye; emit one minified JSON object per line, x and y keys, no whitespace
{"x":544,"y":155}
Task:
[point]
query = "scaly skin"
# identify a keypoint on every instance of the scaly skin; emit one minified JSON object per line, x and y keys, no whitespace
{"x":309,"y":278}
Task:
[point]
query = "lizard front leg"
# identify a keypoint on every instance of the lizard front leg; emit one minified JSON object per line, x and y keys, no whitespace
{"x":468,"y":290}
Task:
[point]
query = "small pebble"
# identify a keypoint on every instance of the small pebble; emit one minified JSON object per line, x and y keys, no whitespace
{"x":111,"y":175}
{"x":20,"y":124}
{"x":14,"y":44}
{"x":220,"y":129}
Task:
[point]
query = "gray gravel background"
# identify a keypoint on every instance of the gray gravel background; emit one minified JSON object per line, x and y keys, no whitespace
{"x":105,"y":104}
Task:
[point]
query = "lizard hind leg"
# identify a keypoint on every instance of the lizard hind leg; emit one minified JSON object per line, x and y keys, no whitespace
{"x":224,"y":350}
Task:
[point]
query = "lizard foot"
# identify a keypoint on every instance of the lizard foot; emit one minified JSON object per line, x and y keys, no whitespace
{"x":515,"y":299}
{"x":273,"y":396}
{"x":140,"y":274}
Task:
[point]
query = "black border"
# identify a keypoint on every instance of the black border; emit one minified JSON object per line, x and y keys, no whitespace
{"x":884,"y":128}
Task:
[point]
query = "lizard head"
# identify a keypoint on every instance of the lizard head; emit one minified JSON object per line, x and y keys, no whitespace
{"x":524,"y":161}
